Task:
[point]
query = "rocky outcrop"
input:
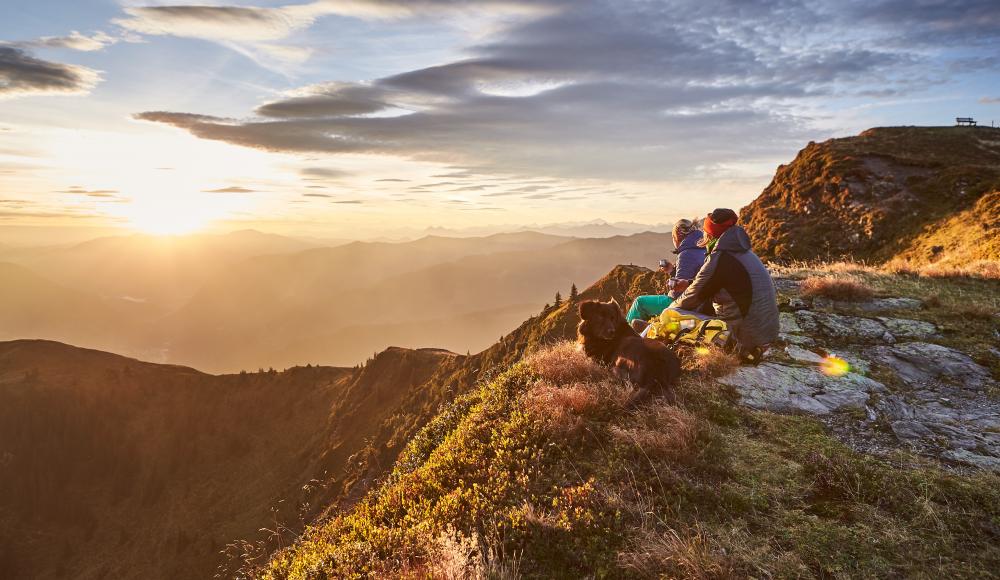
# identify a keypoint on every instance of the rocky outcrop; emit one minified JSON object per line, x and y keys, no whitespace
{"x":930,"y":398}
{"x":795,"y":388}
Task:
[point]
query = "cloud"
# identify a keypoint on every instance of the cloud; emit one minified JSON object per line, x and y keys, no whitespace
{"x":251,"y":31}
{"x":316,"y":195}
{"x":326,"y":100}
{"x":230,"y":189}
{"x":100,"y":193}
{"x":990,"y":100}
{"x":22,"y":74}
{"x":255,"y":31}
{"x":74,"y":41}
{"x":612,"y":89}
{"x":218,"y":23}
{"x":322,"y":173}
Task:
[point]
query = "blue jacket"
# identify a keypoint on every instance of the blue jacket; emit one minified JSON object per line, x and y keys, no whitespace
{"x":689,"y":256}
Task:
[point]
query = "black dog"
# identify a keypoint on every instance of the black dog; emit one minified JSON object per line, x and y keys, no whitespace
{"x":605,"y":336}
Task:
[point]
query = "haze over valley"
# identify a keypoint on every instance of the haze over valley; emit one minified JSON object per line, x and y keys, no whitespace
{"x":229,"y":302}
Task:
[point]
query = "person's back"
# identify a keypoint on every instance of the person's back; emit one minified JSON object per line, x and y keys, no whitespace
{"x":690,"y":256}
{"x":751,"y":294}
{"x":738,"y":282}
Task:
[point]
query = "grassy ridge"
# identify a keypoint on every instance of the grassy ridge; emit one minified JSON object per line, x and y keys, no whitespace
{"x":540,"y":472}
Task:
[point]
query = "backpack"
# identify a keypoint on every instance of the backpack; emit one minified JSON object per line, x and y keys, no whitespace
{"x":677,"y":328}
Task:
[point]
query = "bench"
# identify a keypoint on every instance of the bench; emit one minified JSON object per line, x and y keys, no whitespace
{"x":969,"y":121}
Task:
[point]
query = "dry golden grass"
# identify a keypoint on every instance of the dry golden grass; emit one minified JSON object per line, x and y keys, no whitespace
{"x":661,"y":431}
{"x":572,"y":388}
{"x":847,"y":289}
{"x":672,"y":554}
{"x":976,"y":311}
{"x":563,"y":363}
{"x":710,"y":361}
{"x":987,"y":269}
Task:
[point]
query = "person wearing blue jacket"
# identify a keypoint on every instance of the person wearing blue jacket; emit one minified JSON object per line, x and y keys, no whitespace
{"x":690,"y":257}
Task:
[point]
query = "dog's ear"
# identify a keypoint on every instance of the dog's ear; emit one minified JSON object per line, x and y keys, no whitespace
{"x":588,"y":308}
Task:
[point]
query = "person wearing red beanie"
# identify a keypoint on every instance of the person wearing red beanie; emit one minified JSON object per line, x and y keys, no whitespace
{"x":720,"y":220}
{"x":736,"y":282}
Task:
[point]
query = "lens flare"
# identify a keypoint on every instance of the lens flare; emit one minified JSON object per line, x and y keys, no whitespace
{"x":833,"y":366}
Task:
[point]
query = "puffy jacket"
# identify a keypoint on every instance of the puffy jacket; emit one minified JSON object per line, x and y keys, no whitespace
{"x":690,"y":257}
{"x":736,"y":280}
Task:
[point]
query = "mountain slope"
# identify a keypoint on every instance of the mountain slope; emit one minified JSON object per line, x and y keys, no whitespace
{"x":112,"y":467}
{"x":923,"y":194}
{"x":540,"y":472}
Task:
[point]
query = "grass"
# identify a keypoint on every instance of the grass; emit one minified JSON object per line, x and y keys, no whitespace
{"x":495,"y":487}
{"x":847,"y":289}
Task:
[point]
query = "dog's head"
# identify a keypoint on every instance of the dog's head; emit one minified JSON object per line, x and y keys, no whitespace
{"x":600,"y":320}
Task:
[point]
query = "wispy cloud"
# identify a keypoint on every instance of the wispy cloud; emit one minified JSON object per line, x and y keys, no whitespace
{"x":73,"y":41}
{"x":230,"y":189}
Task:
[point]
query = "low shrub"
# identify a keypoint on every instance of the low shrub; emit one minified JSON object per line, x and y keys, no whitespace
{"x":847,"y":289}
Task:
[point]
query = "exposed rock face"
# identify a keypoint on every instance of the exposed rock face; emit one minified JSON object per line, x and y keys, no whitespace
{"x":792,"y":388}
{"x":840,"y":327}
{"x":936,"y":402}
{"x":921,"y":363}
{"x":876,"y":196}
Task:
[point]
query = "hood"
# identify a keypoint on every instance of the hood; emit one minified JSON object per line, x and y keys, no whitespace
{"x":689,"y":242}
{"x":734,"y":240}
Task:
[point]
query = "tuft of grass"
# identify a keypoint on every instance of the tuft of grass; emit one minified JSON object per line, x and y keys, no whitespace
{"x":846,"y":289}
{"x":571,"y":388}
{"x":662,"y":431}
{"x":564,"y":363}
{"x":710,"y":361}
{"x":672,"y":554}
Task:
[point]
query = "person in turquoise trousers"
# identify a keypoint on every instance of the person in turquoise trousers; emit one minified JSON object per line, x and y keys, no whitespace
{"x":690,"y":257}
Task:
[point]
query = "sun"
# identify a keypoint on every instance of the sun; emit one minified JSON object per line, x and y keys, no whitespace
{"x":171,"y":215}
{"x":163,"y":217}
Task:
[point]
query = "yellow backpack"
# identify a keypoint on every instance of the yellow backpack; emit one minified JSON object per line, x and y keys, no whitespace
{"x":676,"y":327}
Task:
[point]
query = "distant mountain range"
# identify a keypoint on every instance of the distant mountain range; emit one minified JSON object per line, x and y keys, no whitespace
{"x":243,"y":300}
{"x":590,"y":229}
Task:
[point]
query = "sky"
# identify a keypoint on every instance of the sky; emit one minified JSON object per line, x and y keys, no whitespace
{"x":359,"y":118}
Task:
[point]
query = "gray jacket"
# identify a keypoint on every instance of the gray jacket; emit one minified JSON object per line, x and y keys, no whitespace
{"x":736,"y":280}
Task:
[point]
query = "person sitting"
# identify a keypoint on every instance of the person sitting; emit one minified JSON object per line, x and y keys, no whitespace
{"x":738,"y":284}
{"x":690,"y":257}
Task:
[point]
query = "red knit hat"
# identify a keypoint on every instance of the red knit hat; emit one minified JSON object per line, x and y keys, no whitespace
{"x":720,"y":220}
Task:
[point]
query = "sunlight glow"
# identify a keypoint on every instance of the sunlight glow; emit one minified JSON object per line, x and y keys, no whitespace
{"x":833,"y":366}
{"x":155,"y":217}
